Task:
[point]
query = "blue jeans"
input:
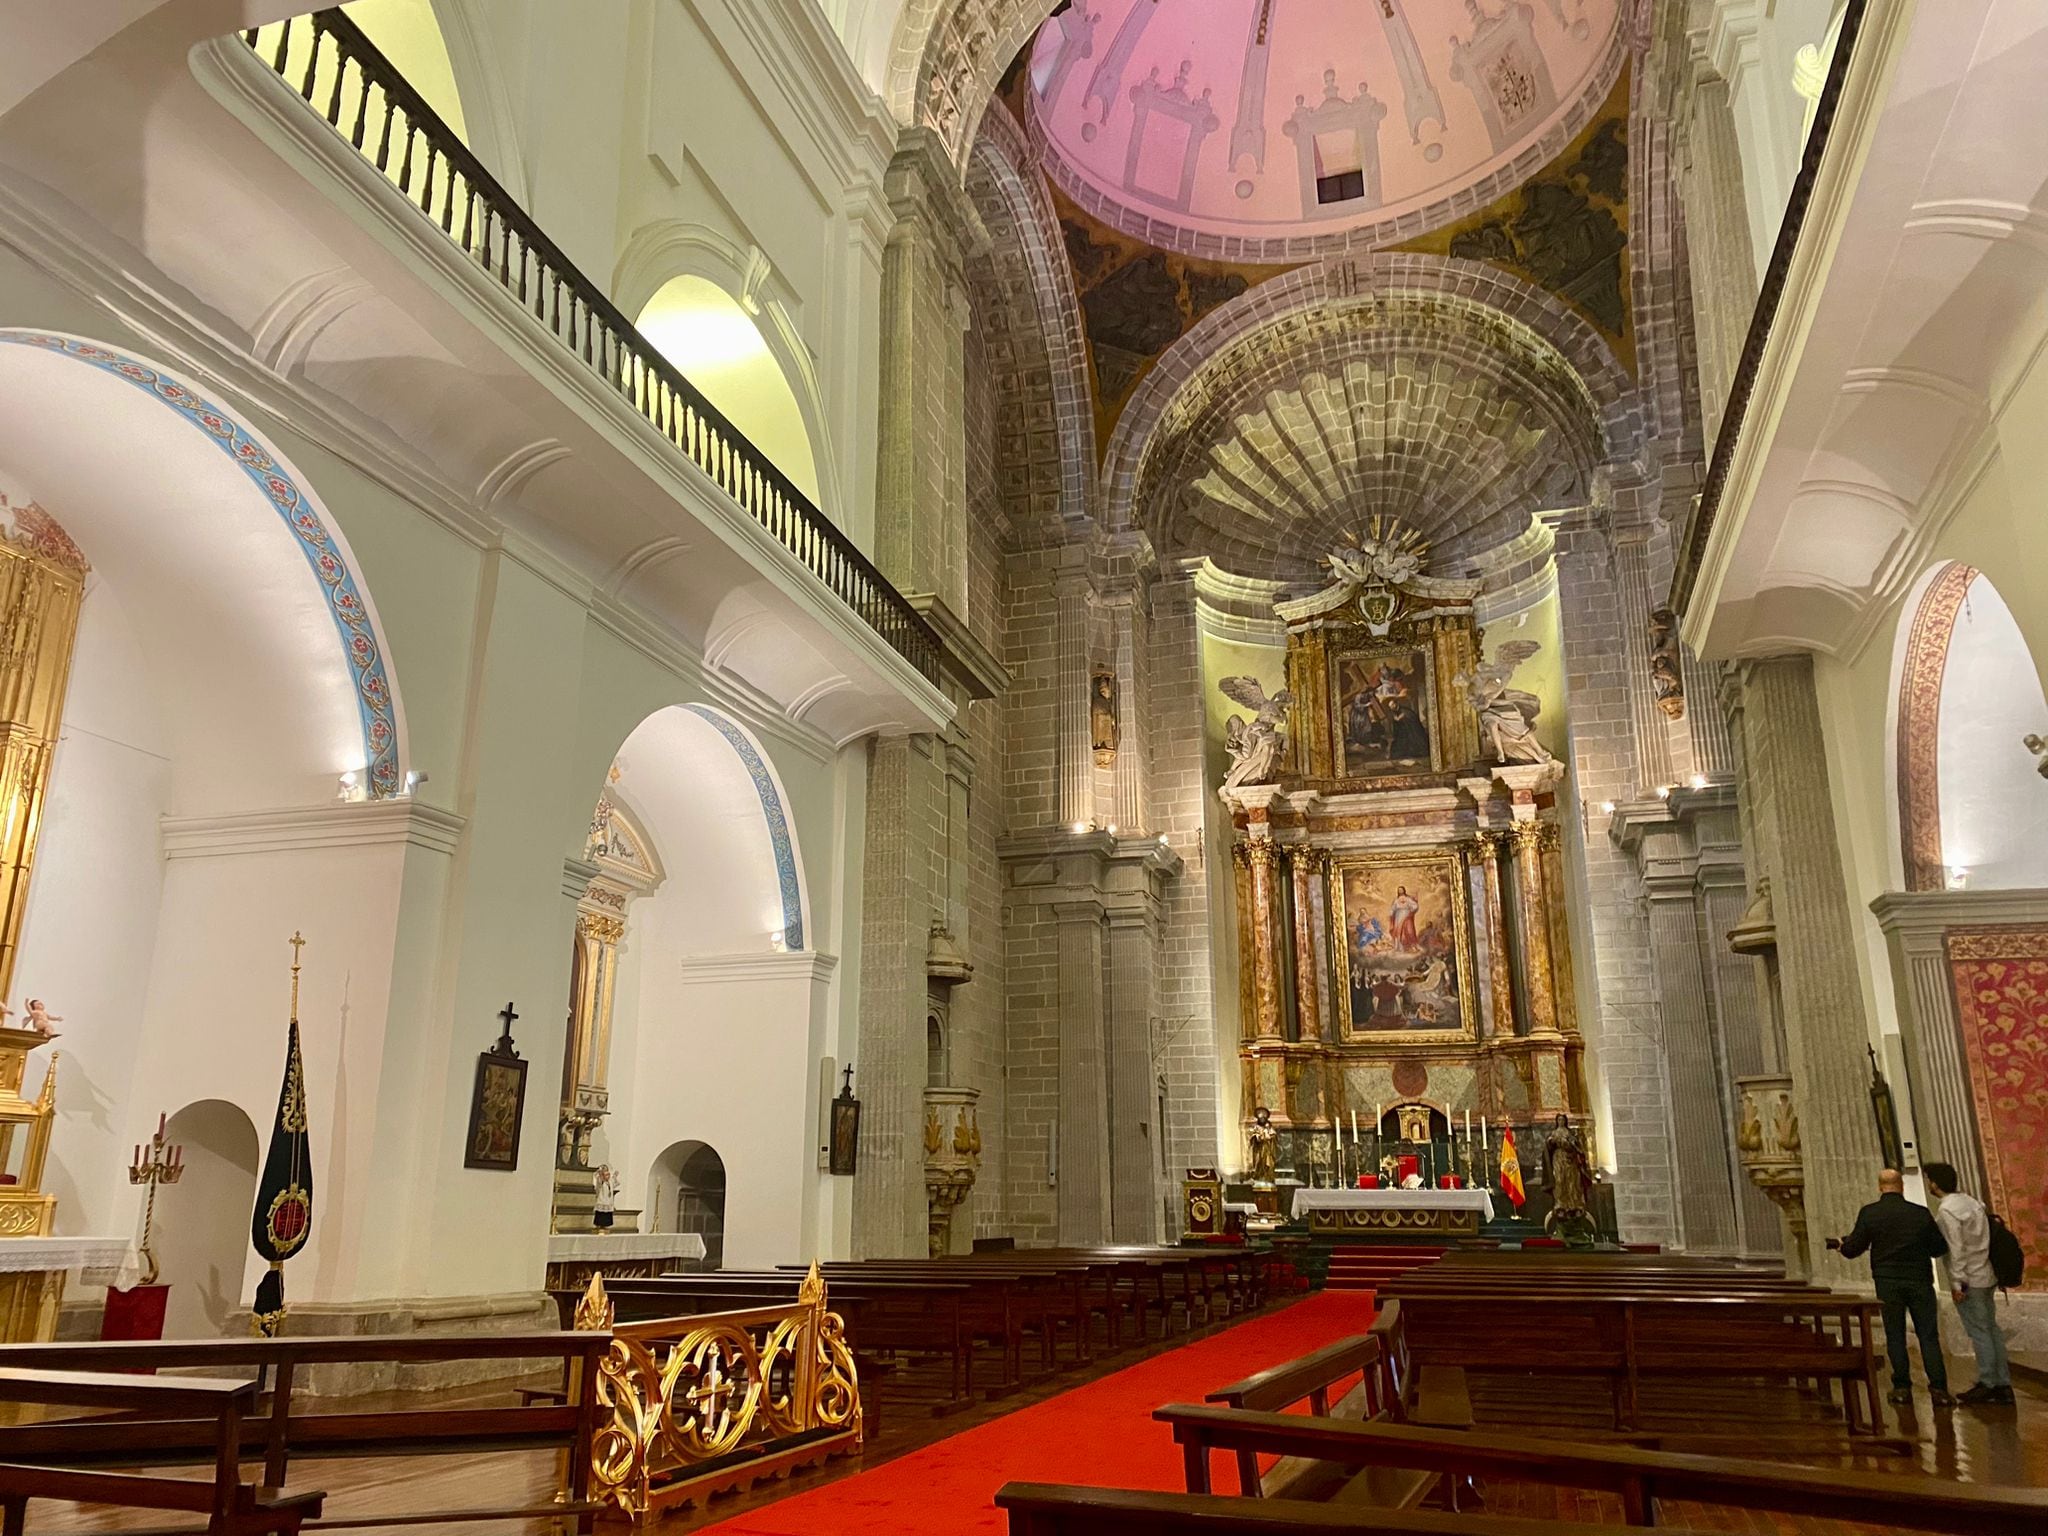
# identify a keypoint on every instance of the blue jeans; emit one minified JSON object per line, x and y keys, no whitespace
{"x":1917,"y":1297}
{"x":1978,"y":1310}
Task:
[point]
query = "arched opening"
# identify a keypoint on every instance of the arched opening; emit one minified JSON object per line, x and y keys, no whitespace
{"x":934,"y":1051}
{"x":201,"y":1231}
{"x":686,"y":1193}
{"x":227,"y":686}
{"x":1971,"y":812}
{"x":716,"y":345}
{"x":695,"y":1002}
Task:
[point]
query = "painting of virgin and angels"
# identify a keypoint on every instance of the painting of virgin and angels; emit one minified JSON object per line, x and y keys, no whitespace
{"x":1404,"y":943}
{"x":1384,"y":719}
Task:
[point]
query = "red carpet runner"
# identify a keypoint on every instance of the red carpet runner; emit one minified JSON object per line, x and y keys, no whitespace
{"x":1101,"y":1434}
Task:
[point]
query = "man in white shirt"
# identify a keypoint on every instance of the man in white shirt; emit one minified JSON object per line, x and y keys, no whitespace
{"x":1968,"y":1230}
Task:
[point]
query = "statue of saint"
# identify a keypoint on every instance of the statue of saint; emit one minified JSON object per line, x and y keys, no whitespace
{"x":1570,"y":1176}
{"x":1103,"y":729}
{"x":1262,"y":1139}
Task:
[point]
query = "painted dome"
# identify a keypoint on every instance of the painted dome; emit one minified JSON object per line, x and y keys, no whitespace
{"x":1268,"y":130}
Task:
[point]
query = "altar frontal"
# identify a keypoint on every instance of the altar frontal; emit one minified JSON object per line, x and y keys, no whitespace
{"x":1403,"y":928}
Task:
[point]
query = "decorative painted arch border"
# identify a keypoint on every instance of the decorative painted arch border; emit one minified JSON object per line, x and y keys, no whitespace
{"x":1342,"y":280}
{"x":275,"y":480}
{"x":779,"y":839}
{"x":1922,"y":668}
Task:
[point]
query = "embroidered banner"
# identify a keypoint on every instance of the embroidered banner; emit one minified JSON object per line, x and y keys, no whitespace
{"x":2001,"y":981}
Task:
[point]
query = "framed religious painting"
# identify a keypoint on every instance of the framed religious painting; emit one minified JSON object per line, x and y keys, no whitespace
{"x":496,"y":1106}
{"x":1383,"y":711}
{"x":1404,"y":966}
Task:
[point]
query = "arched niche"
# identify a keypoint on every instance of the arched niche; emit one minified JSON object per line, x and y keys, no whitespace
{"x":718,"y":346}
{"x":1972,"y":809}
{"x":229,"y":673}
{"x":713,"y":998}
{"x":686,"y":1193}
{"x":201,"y":1231}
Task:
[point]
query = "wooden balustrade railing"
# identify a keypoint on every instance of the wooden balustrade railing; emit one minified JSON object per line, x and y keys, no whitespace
{"x":691,"y":1406}
{"x":338,"y":72}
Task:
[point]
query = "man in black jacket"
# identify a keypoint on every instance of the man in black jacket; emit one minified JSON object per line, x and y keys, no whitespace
{"x":1903,"y":1242}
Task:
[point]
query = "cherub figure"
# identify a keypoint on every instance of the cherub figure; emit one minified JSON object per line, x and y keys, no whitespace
{"x":1507,"y":716}
{"x":1255,"y":745}
{"x":39,"y":1017}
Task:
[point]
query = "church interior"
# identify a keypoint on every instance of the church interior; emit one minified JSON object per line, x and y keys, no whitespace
{"x":1042,"y":766}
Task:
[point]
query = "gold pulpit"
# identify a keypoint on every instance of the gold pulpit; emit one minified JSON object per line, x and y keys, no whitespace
{"x":25,"y":1210}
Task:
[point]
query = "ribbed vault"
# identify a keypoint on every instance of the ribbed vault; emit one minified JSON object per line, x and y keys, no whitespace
{"x":1439,"y":411}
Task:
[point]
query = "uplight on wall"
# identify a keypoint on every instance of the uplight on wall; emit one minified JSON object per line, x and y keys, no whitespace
{"x":1958,"y":876}
{"x":778,"y":941}
{"x":351,"y":787}
{"x":1699,"y":781}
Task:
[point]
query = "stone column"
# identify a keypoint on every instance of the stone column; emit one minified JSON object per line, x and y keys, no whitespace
{"x":1133,"y":813}
{"x":1501,"y":971}
{"x":585,"y":1096}
{"x":1632,"y":587}
{"x":1303,"y":864}
{"x":903,"y":889}
{"x":1533,"y":927}
{"x":1267,"y":939}
{"x":1084,"y":1171}
{"x":1133,"y":1105}
{"x":1564,"y":984}
{"x":1076,"y":749}
{"x":1699,"y":1123}
{"x":1826,"y":1033}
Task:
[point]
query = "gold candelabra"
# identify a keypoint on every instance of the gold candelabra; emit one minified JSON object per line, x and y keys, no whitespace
{"x":163,"y":1164}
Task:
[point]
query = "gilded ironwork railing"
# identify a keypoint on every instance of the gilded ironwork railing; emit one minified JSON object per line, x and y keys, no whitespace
{"x":685,"y":1401}
{"x":339,"y":73}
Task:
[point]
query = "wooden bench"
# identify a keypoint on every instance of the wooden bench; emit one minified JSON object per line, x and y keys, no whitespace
{"x":1438,"y":1396}
{"x":216,"y":1409}
{"x":1310,"y":1380}
{"x":283,"y":1427}
{"x":1643,"y":1479}
{"x":1048,"y":1509}
{"x":1625,"y":1337}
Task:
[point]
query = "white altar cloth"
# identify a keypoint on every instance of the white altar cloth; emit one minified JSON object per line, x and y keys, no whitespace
{"x":101,"y":1258}
{"x":588,"y":1247}
{"x":1306,"y":1200}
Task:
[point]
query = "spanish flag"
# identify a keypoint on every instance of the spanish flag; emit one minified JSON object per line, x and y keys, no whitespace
{"x":1511,"y":1168}
{"x":283,"y":1218}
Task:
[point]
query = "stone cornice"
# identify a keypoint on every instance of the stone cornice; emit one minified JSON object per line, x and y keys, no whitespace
{"x":1928,"y":914}
{"x":971,"y":664}
{"x":342,"y":824}
{"x":796,"y":965}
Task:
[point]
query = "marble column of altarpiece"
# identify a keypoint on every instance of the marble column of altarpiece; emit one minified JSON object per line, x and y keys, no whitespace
{"x":1516,"y":1056}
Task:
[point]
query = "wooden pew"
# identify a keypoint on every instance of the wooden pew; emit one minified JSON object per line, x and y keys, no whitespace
{"x":1438,"y":1396}
{"x":1048,"y":1509}
{"x":1642,"y":1479}
{"x":1309,"y":1380}
{"x":216,"y":1409}
{"x":285,"y":1427}
{"x":1626,"y":1336}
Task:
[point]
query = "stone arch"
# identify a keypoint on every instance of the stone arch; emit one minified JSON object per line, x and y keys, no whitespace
{"x":200,"y":1231}
{"x":1966,"y":690}
{"x":1029,"y":292}
{"x":686,"y":1193}
{"x":1586,"y":381}
{"x":358,"y":681}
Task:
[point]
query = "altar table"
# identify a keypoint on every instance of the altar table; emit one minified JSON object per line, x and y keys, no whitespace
{"x":1394,"y":1212}
{"x":573,"y":1257}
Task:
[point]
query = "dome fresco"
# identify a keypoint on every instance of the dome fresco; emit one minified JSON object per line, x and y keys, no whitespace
{"x":1270,"y":129}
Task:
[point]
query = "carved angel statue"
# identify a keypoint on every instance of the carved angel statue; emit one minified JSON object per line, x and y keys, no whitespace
{"x":1373,"y":560}
{"x":1254,"y":745}
{"x":1507,"y":716}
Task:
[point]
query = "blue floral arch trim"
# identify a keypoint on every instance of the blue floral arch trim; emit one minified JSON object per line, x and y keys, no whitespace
{"x":337,"y":582}
{"x":771,"y":812}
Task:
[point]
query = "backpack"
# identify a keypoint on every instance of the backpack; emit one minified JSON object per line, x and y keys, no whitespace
{"x":2008,"y":1259}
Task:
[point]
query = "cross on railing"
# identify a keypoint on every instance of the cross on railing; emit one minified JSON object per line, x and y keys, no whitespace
{"x":338,"y":72}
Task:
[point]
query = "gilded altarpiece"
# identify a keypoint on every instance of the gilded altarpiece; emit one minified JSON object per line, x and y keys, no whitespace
{"x":1402,"y":924}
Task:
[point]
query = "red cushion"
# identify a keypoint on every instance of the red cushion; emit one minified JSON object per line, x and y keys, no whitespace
{"x":1368,"y":1181}
{"x":1450,"y":1181}
{"x":1408,"y":1165}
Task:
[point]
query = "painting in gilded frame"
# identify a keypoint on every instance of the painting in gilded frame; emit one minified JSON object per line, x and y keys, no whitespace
{"x":1404,"y":965}
{"x":1383,"y":713}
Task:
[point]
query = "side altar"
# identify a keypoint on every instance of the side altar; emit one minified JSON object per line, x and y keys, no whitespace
{"x":1403,"y":930}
